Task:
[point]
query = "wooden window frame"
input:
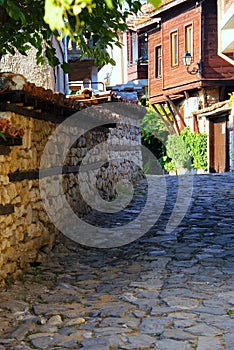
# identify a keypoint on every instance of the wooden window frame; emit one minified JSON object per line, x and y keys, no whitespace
{"x":174,"y":46}
{"x":188,"y":38}
{"x":158,"y":61}
{"x":134,"y":47}
{"x":129,"y":47}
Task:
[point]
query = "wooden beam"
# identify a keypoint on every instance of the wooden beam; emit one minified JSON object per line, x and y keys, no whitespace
{"x":168,"y":118}
{"x":176,"y":110}
{"x":177,"y":129}
{"x":196,"y":124}
{"x":205,"y":97}
{"x":6,"y":209}
{"x":163,"y":119}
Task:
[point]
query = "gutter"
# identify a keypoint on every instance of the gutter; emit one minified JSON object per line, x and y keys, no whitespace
{"x":148,"y":23}
{"x":167,"y":7}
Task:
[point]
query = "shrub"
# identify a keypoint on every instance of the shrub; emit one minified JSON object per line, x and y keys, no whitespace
{"x":196,"y":145}
{"x":178,"y":152}
{"x":153,"y":133}
{"x":186,"y":150}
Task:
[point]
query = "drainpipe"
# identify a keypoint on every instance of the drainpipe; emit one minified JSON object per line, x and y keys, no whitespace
{"x":65,"y":58}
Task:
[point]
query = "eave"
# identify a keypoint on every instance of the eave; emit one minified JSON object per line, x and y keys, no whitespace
{"x":166,"y":7}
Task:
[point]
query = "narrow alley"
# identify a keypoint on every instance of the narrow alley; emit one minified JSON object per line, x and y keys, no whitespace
{"x":164,"y":291}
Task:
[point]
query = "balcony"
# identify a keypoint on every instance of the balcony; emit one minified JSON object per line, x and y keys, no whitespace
{"x":82,"y":68}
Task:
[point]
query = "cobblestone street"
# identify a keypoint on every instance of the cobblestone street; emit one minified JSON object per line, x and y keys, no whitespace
{"x":164,"y":291}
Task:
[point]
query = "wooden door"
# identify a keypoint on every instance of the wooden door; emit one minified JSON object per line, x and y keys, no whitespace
{"x":218,"y":145}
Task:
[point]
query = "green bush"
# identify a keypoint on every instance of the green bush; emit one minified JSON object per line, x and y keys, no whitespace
{"x":153,"y":133}
{"x":178,"y":152}
{"x":196,"y":145}
{"x":167,"y":163}
{"x":187,"y":150}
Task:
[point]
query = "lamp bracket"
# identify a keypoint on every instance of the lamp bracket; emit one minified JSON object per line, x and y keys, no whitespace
{"x":194,"y":70}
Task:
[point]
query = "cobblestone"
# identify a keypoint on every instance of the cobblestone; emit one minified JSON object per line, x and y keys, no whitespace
{"x":164,"y":291}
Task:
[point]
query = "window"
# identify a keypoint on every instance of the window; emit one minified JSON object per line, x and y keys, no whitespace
{"x":174,"y":49}
{"x":189,"y":39}
{"x":134,"y":47}
{"x":158,"y":61}
{"x":143,"y":47}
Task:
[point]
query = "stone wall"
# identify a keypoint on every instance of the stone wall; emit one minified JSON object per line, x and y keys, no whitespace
{"x":25,"y":229}
{"x":28,"y":67}
{"x":27,"y":233}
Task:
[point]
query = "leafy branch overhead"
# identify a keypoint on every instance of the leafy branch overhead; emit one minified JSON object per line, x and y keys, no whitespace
{"x":25,"y":22}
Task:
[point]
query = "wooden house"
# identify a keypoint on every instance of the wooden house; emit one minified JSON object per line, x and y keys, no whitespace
{"x":137,"y":45}
{"x":188,"y":33}
{"x":83,"y":70}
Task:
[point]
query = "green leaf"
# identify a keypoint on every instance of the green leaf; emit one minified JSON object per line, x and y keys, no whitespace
{"x":156,"y":3}
{"x":14,"y":11}
{"x":2,"y":136}
{"x":109,"y":3}
{"x":230,"y":312}
{"x":54,"y":15}
{"x":112,"y":62}
{"x":66,"y":67}
{"x":10,"y":49}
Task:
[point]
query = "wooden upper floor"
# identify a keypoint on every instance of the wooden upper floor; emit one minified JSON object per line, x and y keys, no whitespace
{"x":186,"y":25}
{"x":137,"y":43}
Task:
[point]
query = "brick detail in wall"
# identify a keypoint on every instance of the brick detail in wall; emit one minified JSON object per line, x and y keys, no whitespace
{"x":6,"y":209}
{"x":24,"y":175}
{"x":4,"y":150}
{"x":11,"y":141}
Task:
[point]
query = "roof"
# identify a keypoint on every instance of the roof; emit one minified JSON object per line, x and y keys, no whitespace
{"x":135,"y":21}
{"x":16,"y":91}
{"x":144,"y":17}
{"x":215,"y":109}
{"x":166,"y":5}
{"x":22,"y":97}
{"x":16,"y":84}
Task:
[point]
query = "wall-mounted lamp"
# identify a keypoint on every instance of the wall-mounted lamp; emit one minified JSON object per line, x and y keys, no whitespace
{"x":187,"y":60}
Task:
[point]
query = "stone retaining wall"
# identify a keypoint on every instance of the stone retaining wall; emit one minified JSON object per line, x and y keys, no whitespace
{"x":25,"y":229}
{"x":27,"y":234}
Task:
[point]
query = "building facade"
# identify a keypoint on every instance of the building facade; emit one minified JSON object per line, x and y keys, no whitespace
{"x":188,"y":29}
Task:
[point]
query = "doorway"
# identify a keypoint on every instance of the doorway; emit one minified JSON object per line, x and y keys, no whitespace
{"x":218,"y":145}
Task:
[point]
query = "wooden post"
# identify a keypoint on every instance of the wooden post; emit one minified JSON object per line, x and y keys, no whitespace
{"x":168,"y":118}
{"x":196,"y":125}
{"x":174,"y":118}
{"x":176,"y":110}
{"x":165,"y":122}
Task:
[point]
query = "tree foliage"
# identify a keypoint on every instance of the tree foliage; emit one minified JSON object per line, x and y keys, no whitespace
{"x":22,"y":26}
{"x":25,"y":22}
{"x":153,"y":133}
